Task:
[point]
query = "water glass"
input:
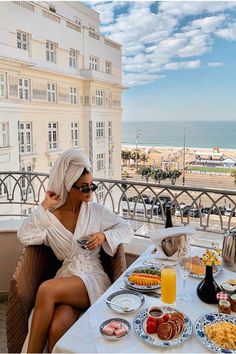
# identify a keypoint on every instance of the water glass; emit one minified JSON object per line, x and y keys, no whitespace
{"x":184,"y":268}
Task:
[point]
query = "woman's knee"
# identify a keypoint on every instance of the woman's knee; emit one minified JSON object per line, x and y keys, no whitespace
{"x":45,"y":291}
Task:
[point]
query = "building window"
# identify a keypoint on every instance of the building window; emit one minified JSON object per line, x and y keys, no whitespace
{"x":110,"y":160}
{"x":74,"y":133}
{"x":100,"y":130}
{"x":78,"y":21}
{"x":110,"y":131}
{"x":51,"y":92}
{"x":51,"y":51}
{"x":4,"y":186}
{"x":4,"y":141}
{"x":73,"y":95}
{"x":2,"y":85}
{"x":22,"y":40}
{"x":100,"y":192}
{"x":53,"y":136}
{"x":100,"y":161}
{"x":73,"y":58}
{"x":108,"y":67}
{"x":25,"y":137}
{"x":99,"y":97}
{"x":91,"y":28}
{"x":26,"y":185}
{"x":23,"y":89}
{"x":93,"y":62}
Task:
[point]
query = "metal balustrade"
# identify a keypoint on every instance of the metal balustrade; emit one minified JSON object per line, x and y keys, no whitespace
{"x":138,"y":201}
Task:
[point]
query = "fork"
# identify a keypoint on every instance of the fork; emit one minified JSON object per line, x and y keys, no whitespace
{"x":149,"y":293}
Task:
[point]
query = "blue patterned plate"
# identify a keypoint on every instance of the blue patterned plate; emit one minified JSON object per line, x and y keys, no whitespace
{"x":139,"y":328}
{"x":140,"y":287}
{"x":211,"y":318}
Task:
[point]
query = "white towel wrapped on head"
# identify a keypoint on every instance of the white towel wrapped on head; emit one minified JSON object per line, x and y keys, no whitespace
{"x":66,"y":171}
{"x":158,"y":235}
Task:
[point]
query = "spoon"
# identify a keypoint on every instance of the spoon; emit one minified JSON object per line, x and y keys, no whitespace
{"x":124,"y":308}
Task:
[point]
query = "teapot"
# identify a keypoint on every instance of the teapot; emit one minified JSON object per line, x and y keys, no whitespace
{"x":229,"y":250}
{"x":171,"y":244}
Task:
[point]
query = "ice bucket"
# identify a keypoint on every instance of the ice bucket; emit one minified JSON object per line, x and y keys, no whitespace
{"x":229,"y":250}
{"x":171,"y":244}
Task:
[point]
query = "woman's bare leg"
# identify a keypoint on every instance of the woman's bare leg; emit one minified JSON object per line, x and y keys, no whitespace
{"x":64,"y":316}
{"x":70,"y":291}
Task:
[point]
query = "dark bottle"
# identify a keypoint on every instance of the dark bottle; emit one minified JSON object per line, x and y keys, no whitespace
{"x":168,"y":217}
{"x":208,"y":288}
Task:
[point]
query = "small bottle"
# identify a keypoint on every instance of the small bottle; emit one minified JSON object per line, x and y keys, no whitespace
{"x":224,"y":307}
{"x":233,"y":302}
{"x":168,"y":217}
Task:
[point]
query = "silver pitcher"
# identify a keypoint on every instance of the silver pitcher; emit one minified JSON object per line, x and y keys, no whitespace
{"x":229,"y":250}
{"x":171,"y":244}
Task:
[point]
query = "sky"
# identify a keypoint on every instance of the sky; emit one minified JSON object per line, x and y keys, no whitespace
{"x":179,"y":58}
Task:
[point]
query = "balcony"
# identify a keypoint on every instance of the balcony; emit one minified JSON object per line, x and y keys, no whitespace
{"x":98,"y":75}
{"x":143,"y":204}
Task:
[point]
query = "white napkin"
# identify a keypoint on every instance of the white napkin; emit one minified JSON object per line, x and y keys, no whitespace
{"x":158,"y":235}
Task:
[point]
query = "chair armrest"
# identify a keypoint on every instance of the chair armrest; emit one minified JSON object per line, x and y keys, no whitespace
{"x":114,"y":266}
{"x":36,"y":264}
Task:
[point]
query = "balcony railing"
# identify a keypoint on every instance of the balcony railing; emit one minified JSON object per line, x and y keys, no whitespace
{"x":206,"y":208}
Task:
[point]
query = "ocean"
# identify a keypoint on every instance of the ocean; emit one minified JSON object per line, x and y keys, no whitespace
{"x":197,"y":134}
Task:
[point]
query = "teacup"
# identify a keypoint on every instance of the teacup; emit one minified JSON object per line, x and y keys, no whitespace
{"x":155,"y":312}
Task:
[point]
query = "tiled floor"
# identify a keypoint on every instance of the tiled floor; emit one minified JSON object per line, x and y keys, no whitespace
{"x":3,"y":340}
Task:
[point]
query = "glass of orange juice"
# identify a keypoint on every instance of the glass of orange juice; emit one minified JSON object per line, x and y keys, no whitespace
{"x":168,"y":285}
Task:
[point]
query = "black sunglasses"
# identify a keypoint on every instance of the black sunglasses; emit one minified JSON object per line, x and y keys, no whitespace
{"x":86,"y":189}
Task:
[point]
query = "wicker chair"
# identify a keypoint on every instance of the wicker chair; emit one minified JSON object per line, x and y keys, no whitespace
{"x":38,"y":263}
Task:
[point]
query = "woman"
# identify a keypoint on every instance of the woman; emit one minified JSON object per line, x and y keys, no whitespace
{"x":64,"y":219}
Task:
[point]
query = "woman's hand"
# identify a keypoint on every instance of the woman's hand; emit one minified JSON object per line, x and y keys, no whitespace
{"x":51,"y":200}
{"x":95,"y":240}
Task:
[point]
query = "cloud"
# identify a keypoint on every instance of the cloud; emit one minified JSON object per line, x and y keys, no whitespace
{"x":214,"y":64}
{"x":182,"y":65}
{"x":174,"y":37}
{"x":207,"y":24}
{"x":228,"y":33}
{"x":140,"y":79}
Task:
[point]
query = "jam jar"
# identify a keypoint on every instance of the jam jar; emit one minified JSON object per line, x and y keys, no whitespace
{"x":224,"y":307}
{"x":233,"y":302}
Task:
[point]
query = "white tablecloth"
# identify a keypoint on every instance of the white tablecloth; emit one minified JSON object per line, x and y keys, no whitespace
{"x":84,"y":335}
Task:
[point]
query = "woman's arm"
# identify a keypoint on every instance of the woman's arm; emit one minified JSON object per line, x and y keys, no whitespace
{"x":116,"y":231}
{"x":33,"y":230}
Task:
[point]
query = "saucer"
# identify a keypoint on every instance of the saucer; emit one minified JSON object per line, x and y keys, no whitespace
{"x":126,"y":298}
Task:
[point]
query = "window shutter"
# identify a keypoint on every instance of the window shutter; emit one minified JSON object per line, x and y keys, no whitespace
{"x":39,"y":90}
{"x":63,"y":93}
{"x":13,"y":86}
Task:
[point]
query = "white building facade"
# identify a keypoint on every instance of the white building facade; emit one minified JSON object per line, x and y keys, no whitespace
{"x":60,"y":86}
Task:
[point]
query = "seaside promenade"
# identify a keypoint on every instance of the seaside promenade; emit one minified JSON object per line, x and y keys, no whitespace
{"x":156,"y":155}
{"x":192,"y":180}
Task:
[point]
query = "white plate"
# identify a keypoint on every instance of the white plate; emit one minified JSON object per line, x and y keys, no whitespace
{"x":152,"y":339}
{"x":126,"y":298}
{"x":211,"y":318}
{"x":140,"y":287}
{"x":199,"y":253}
{"x":124,"y":323}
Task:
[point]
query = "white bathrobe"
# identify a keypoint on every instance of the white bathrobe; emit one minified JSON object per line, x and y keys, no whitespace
{"x":42,"y":227}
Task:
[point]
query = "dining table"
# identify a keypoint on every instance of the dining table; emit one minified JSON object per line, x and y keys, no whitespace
{"x":85,"y":337}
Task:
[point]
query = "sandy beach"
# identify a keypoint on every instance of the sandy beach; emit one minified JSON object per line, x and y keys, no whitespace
{"x":157,"y":155}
